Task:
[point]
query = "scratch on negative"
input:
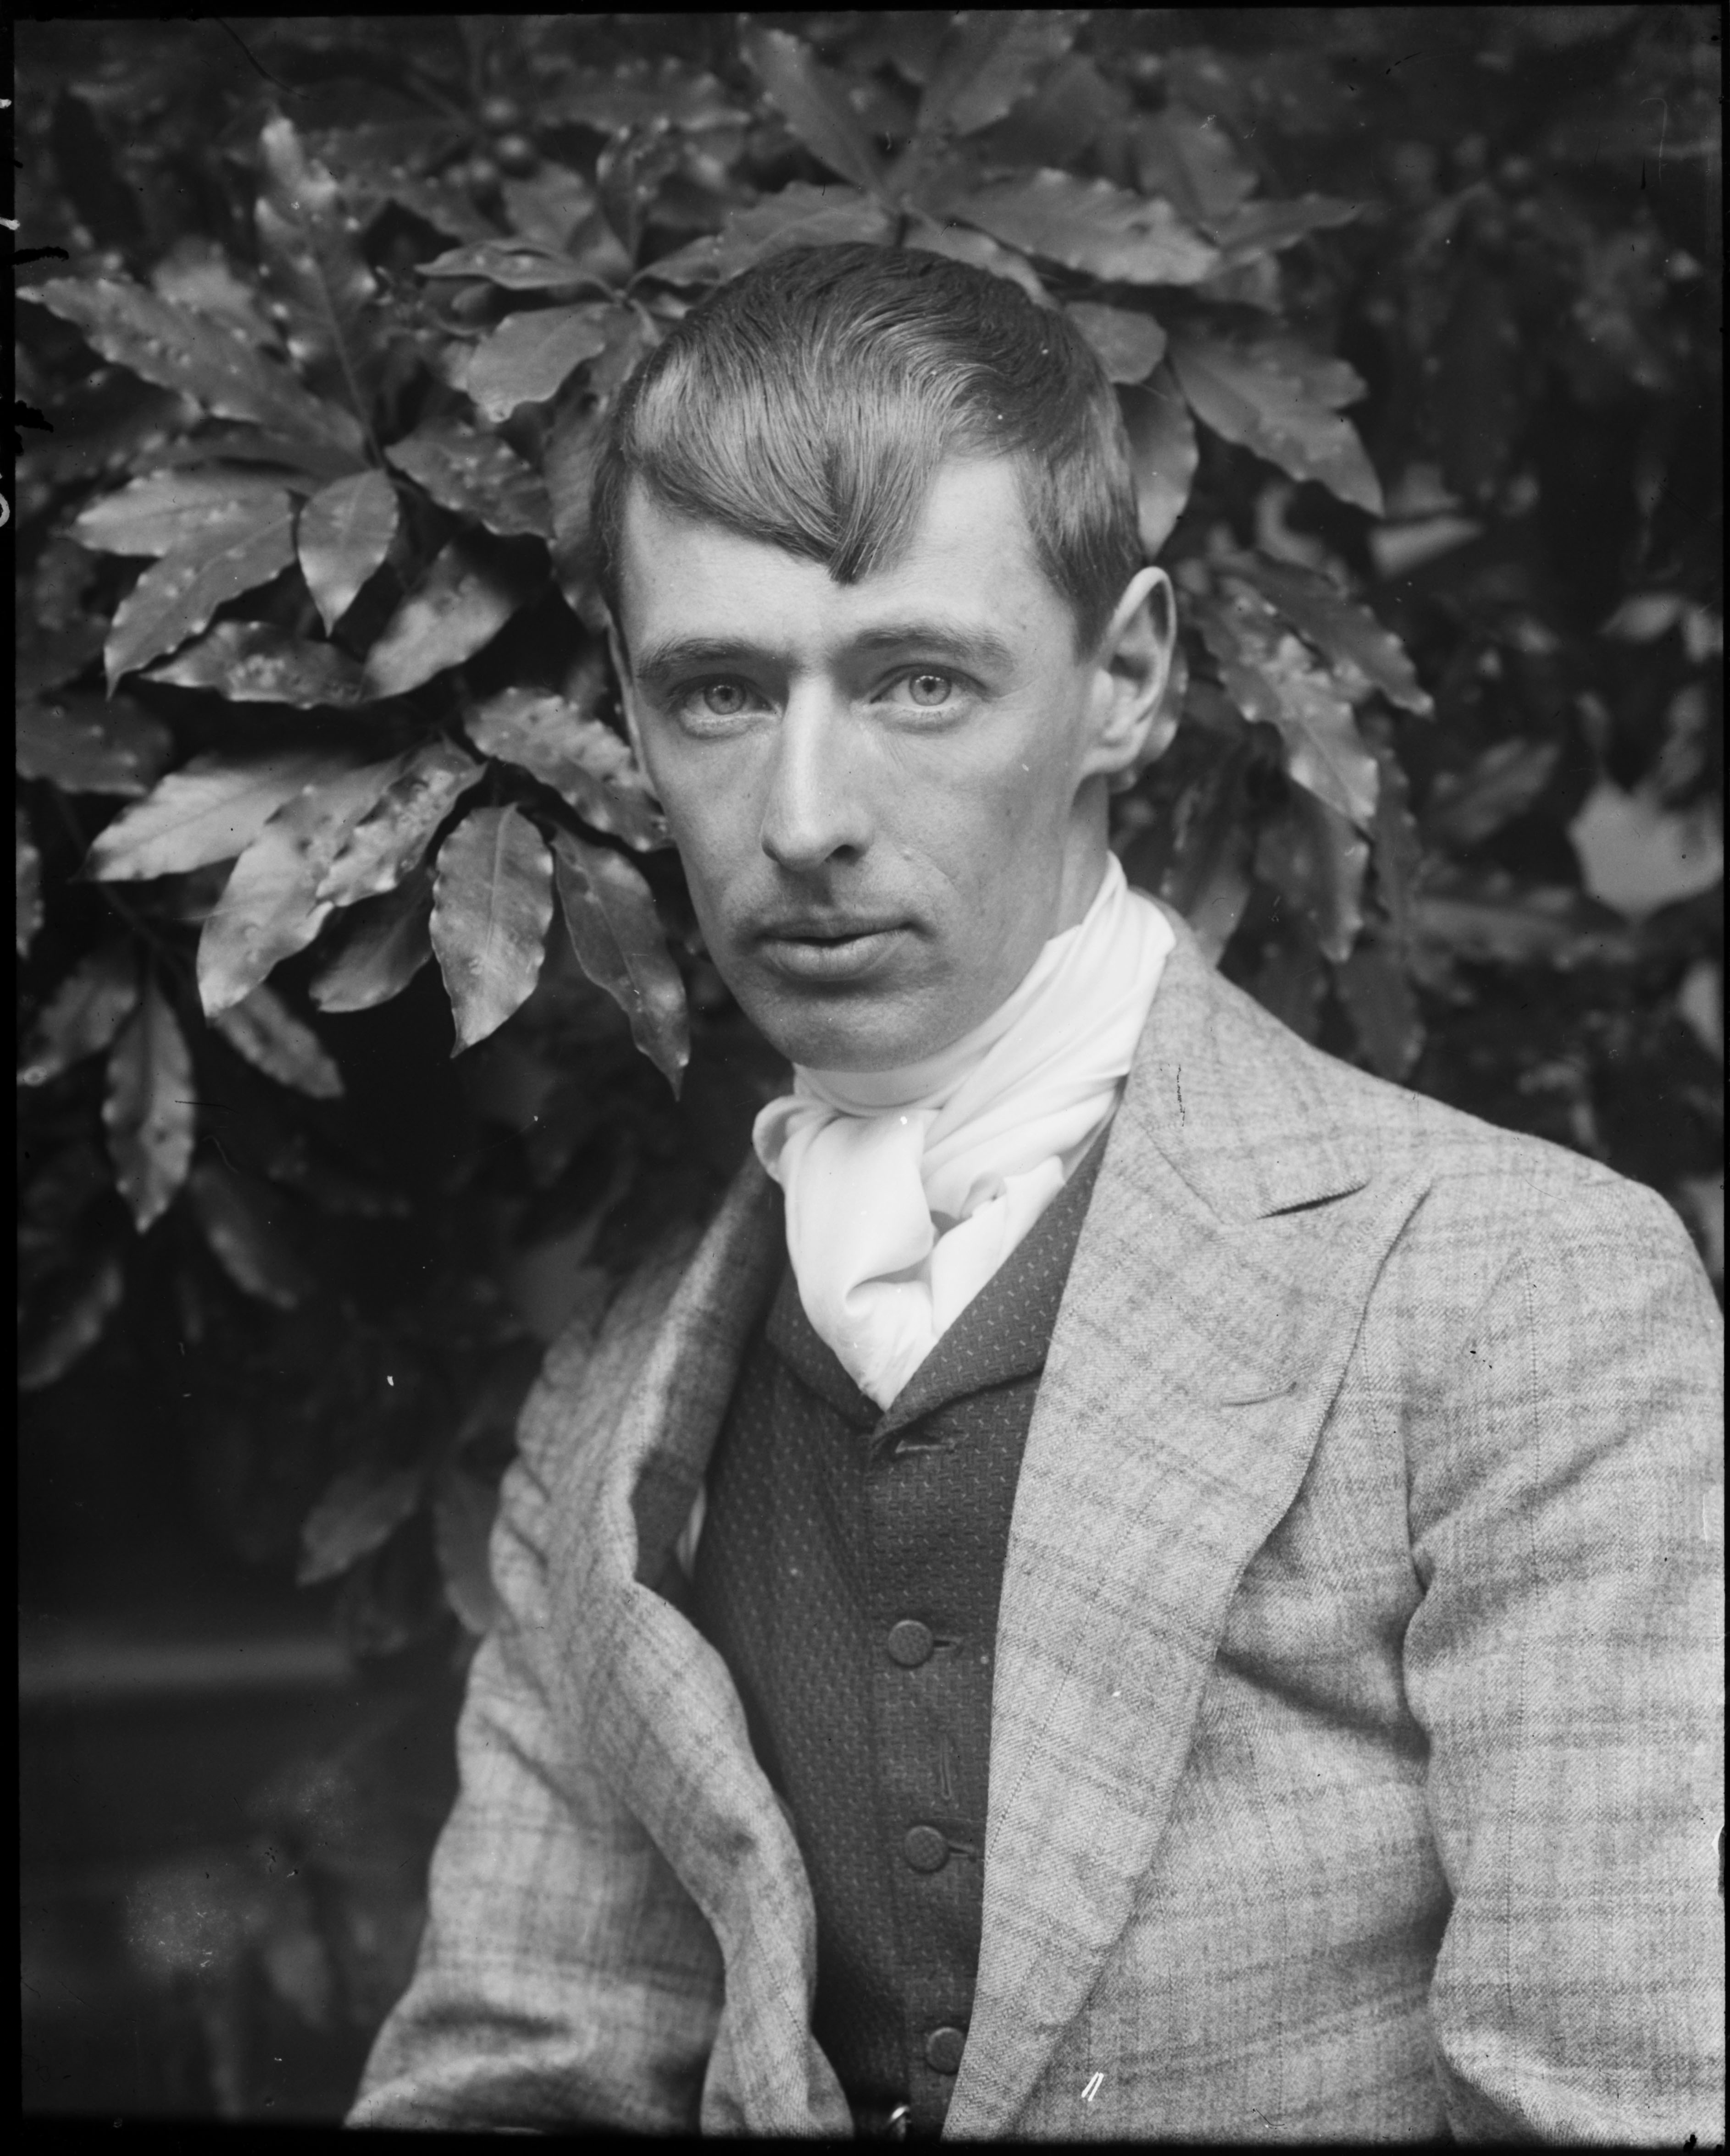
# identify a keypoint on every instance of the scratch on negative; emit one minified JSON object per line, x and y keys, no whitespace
{"x":1095,"y":2083}
{"x":1177,"y":1078}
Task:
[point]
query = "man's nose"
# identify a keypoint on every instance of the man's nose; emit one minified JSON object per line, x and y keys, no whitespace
{"x":816,"y":808}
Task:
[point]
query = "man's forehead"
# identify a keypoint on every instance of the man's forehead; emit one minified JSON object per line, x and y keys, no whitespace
{"x":968,"y":563}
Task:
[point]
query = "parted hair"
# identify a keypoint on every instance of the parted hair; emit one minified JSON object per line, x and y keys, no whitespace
{"x":808,"y":402}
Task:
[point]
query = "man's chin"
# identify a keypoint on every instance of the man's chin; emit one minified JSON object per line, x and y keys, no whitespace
{"x":839,"y":1026}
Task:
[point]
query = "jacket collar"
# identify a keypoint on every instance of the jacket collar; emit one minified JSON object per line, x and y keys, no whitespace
{"x":1234,"y":1235}
{"x":660,"y":1719}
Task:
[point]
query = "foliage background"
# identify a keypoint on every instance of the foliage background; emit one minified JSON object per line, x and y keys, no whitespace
{"x":1415,"y":316}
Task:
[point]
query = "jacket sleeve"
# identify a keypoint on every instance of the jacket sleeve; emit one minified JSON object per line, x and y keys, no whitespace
{"x":1566,"y":1515}
{"x":564,"y":1979}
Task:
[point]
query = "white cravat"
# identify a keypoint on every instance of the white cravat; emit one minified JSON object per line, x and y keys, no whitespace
{"x":907,"y":1189}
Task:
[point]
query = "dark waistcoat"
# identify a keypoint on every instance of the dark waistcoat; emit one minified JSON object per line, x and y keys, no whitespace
{"x":849,"y":1573}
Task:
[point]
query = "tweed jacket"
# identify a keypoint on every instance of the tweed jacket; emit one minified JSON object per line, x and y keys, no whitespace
{"x":1355,"y":1741}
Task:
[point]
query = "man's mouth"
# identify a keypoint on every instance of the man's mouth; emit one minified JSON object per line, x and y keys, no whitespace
{"x":833,"y":949}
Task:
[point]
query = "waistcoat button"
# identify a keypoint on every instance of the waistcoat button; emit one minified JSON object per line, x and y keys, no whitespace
{"x":910,"y":1643}
{"x":943,"y":2049}
{"x":925,"y":1848}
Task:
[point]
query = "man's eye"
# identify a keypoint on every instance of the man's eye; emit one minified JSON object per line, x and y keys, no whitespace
{"x":717,"y":699}
{"x":928,"y":689}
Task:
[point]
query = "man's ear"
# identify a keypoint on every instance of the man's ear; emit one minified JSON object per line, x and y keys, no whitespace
{"x":1132,"y":726}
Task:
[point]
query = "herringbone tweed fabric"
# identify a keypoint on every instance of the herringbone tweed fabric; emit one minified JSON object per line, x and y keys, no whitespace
{"x":1356,"y":1739}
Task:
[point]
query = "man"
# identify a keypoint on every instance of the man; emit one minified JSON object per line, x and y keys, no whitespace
{"x":1138,"y":1581}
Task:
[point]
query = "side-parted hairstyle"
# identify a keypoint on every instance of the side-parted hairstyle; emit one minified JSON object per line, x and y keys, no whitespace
{"x":808,"y":402}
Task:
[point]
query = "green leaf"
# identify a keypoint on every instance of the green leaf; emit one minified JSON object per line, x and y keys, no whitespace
{"x":989,"y":60}
{"x":88,"y":745}
{"x":45,"y":658}
{"x":149,"y":1109}
{"x":387,"y":161}
{"x":800,"y":216}
{"x":325,"y":294}
{"x":386,"y":945}
{"x":263,"y":1029}
{"x":814,"y":104}
{"x":1163,"y":455}
{"x":1465,"y":807}
{"x":246,"y":1243}
{"x":85,"y":1302}
{"x":388,"y":842}
{"x":1638,"y":855}
{"x":29,"y":881}
{"x":84,"y":1014}
{"x":270,"y":908}
{"x":1398,"y":853}
{"x":463,"y":1512}
{"x":1090,"y":225}
{"x":345,"y":533}
{"x":299,"y":462}
{"x":465,"y":599}
{"x":1279,"y":400}
{"x":529,"y":355}
{"x":579,"y":759}
{"x":1073,"y":107}
{"x":493,"y":899}
{"x":1130,"y":346}
{"x":1340,"y":626}
{"x":1272,"y":678}
{"x":195,"y":273}
{"x":1207,"y":875}
{"x":553,"y":205}
{"x":616,"y":933}
{"x":176,"y":597}
{"x":959,"y":243}
{"x":476,"y":476}
{"x":628,"y":175}
{"x":1265,"y":227}
{"x":210,"y":810}
{"x":1383,"y":1009}
{"x":1290,"y":976}
{"x":631,"y":92}
{"x":249,"y":662}
{"x":517,"y":264}
{"x":567,"y":467}
{"x":1489,"y":918}
{"x":171,"y":510}
{"x":360,"y":1511}
{"x":1312,"y":856}
{"x":182,"y":351}
{"x":1192,"y":164}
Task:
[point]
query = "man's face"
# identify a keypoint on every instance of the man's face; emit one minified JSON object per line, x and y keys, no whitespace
{"x":887,"y":795}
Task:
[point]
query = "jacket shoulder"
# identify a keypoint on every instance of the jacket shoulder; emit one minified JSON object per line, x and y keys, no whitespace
{"x":1397,"y":1127}
{"x":1486,"y":1191}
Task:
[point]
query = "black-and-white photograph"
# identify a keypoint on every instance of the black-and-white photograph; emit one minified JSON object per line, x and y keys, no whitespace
{"x":870,"y":1073}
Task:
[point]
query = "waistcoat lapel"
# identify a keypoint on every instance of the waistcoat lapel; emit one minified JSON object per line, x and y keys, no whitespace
{"x":1232,"y":1238}
{"x":658,"y":1709}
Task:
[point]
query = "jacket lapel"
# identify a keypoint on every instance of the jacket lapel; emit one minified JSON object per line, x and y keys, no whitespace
{"x":1232,"y":1240}
{"x":659,"y":1713}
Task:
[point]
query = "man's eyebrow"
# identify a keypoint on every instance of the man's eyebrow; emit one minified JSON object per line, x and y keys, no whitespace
{"x":660,"y":663}
{"x":974,"y":646}
{"x":657,"y":665}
